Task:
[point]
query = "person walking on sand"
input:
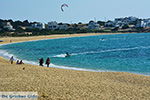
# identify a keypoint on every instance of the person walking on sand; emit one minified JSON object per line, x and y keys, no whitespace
{"x":41,"y":61}
{"x":11,"y":60}
{"x":47,"y":61}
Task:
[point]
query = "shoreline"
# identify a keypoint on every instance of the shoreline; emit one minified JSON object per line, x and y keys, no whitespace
{"x":69,"y":67}
{"x":47,"y":37}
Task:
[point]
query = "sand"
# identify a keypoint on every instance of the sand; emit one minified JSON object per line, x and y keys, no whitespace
{"x":65,"y":84}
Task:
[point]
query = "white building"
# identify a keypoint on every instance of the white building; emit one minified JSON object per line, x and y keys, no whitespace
{"x":119,"y":22}
{"x":125,"y":20}
{"x":8,"y":26}
{"x":145,"y":23}
{"x":38,"y":25}
{"x":93,"y":25}
{"x":53,"y":25}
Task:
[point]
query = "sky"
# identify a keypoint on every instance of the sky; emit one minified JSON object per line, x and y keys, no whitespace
{"x":78,"y":10}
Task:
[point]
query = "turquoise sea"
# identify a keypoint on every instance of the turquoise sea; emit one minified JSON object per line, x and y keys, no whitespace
{"x":117,"y":53}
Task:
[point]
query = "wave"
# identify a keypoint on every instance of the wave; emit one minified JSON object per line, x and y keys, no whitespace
{"x":60,"y":55}
{"x":30,"y":62}
{"x":6,"y":55}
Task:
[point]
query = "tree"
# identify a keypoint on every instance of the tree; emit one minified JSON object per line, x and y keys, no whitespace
{"x":10,"y":20}
{"x":101,"y":23}
{"x":80,"y":23}
{"x":26,"y":23}
{"x":91,"y":21}
{"x":115,"y":29}
{"x":16,"y":24}
{"x":125,"y":26}
{"x":139,"y":29}
{"x":60,"y":23}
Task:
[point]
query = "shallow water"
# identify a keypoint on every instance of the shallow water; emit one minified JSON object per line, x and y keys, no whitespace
{"x":119,"y":52}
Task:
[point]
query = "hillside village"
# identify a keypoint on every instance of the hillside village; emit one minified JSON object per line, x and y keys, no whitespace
{"x":127,"y":24}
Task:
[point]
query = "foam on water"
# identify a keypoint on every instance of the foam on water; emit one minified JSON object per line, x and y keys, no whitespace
{"x":102,"y":51}
{"x":60,"y":55}
{"x":6,"y":55}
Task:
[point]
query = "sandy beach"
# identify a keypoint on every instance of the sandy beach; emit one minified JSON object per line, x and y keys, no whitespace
{"x":65,"y":84}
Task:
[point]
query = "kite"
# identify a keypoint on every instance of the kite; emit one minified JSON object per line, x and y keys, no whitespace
{"x":63,"y":5}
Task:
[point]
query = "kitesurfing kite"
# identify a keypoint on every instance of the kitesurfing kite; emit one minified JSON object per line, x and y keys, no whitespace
{"x":63,"y":5}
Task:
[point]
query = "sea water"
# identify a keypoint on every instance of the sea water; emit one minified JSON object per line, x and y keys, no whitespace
{"x":118,"y":52}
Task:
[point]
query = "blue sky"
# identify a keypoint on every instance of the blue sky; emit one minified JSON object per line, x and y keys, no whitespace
{"x":78,"y":10}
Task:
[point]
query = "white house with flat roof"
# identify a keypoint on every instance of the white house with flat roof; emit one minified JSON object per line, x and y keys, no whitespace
{"x":145,"y":23}
{"x":38,"y":25}
{"x":53,"y":25}
{"x":119,"y":22}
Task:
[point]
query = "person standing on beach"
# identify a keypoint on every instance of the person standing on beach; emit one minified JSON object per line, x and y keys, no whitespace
{"x":47,"y":61}
{"x":11,"y":60}
{"x":41,"y":61}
